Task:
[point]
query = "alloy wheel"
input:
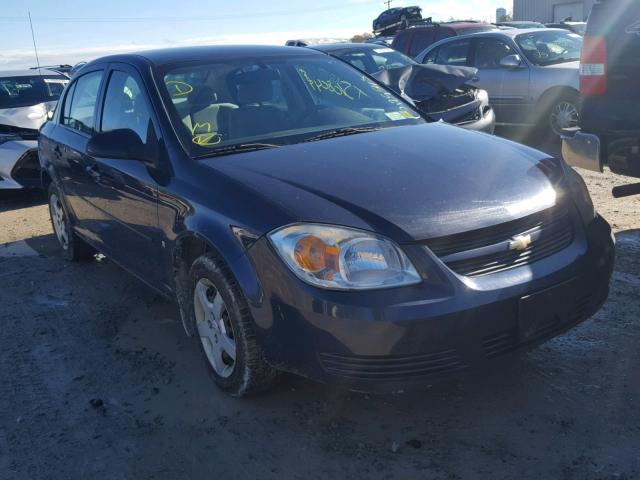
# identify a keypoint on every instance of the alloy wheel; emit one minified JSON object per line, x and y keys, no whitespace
{"x":59,"y":220}
{"x":564,"y":115}
{"x":214,"y":327}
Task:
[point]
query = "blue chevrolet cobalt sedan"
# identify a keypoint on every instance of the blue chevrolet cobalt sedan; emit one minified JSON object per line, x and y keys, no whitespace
{"x":308,"y":220}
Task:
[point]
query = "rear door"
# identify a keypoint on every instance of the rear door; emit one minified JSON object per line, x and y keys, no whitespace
{"x":76,"y":126}
{"x":508,"y":88}
{"x":126,"y":188}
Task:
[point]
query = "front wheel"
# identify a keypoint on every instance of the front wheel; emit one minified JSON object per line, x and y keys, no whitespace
{"x":72,"y":246}
{"x":225,"y":331}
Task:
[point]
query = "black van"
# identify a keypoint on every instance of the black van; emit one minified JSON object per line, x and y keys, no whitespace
{"x":610,"y":92}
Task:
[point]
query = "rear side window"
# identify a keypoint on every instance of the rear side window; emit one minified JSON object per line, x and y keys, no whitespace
{"x":81,"y":112}
{"x":421,"y":40}
{"x":454,"y":53}
{"x":400,"y":43}
{"x":125,"y":106}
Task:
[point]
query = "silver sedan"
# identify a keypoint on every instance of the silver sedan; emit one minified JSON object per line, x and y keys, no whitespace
{"x":26,"y":98}
{"x":532,"y":76}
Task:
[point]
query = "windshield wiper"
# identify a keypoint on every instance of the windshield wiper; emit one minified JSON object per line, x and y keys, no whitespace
{"x":239,"y":148}
{"x":342,"y":132}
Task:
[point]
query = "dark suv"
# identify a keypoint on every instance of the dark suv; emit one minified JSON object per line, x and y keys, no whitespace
{"x":414,"y":40}
{"x":394,"y":19}
{"x":609,"y":90}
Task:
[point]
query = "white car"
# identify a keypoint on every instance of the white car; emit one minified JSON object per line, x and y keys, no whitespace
{"x":26,"y":98}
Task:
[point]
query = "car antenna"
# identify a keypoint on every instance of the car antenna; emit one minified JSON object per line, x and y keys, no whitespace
{"x":33,"y":37}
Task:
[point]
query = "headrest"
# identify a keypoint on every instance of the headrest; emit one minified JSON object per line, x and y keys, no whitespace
{"x":255,"y":86}
{"x":202,"y":96}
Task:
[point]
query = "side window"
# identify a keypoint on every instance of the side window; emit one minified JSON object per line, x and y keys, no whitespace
{"x":66,"y":111}
{"x":431,"y":56}
{"x":421,"y":40}
{"x":454,"y":53}
{"x":125,"y":106}
{"x":80,"y":115}
{"x":490,"y":51}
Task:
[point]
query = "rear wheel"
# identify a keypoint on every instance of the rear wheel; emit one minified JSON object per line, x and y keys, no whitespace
{"x":72,"y":246}
{"x":225,"y":331}
{"x":563,"y":113}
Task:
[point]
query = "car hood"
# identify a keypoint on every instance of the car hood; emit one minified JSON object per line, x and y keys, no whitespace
{"x":408,"y":183}
{"x":31,"y":117}
{"x":424,"y":82}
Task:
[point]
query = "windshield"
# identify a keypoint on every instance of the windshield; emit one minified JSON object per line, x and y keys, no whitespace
{"x":374,"y":60}
{"x":31,"y":90}
{"x":275,"y":101}
{"x":550,"y":47}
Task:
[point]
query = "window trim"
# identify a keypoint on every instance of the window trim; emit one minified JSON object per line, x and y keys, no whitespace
{"x":99,"y":68}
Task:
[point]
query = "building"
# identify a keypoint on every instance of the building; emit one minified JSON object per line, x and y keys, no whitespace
{"x":547,"y":11}
{"x":500,"y":14}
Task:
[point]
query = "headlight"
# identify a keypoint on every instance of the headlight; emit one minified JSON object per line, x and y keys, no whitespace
{"x":343,"y":258}
{"x":581,"y":195}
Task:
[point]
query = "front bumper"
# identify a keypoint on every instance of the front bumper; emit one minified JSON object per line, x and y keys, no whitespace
{"x":486,"y":124}
{"x":412,"y":337}
{"x":11,"y":155}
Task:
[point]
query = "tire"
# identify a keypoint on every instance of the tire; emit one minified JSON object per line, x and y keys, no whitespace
{"x":562,"y":112}
{"x":224,"y":330}
{"x":72,"y":246}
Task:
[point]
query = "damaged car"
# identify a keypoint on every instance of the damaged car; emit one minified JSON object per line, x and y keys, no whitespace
{"x":26,"y":99}
{"x":440,"y":92}
{"x":307,"y":219}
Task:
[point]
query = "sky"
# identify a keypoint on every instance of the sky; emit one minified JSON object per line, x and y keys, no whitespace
{"x":68,"y":31}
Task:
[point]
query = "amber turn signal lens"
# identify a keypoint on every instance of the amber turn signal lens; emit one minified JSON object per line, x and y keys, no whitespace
{"x":314,"y":255}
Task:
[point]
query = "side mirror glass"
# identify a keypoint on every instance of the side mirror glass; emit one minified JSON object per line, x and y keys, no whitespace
{"x":122,"y":144}
{"x":511,"y":61}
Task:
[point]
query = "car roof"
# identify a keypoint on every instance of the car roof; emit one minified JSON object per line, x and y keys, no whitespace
{"x":167,"y":56}
{"x":332,"y":47}
{"x":30,"y":73}
{"x":495,"y":33}
{"x":452,"y":25}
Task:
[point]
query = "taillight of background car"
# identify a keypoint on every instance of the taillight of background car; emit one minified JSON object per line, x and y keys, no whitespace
{"x":593,"y":66}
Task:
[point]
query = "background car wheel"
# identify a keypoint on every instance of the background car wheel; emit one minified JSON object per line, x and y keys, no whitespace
{"x":225,"y":331}
{"x":563,"y":113}
{"x":73,"y":247}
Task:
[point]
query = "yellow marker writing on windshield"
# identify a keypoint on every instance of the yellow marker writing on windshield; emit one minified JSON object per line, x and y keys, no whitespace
{"x":179,"y":88}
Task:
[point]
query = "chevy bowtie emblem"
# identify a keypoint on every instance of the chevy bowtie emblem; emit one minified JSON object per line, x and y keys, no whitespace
{"x":521,"y":242}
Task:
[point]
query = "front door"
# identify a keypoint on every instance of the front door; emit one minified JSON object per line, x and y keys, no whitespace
{"x":127,"y":189}
{"x":508,"y":88}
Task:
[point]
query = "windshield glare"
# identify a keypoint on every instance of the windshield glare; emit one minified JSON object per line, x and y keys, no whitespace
{"x":374,"y":60}
{"x":26,"y":91}
{"x":277,"y":101}
{"x":550,"y":47}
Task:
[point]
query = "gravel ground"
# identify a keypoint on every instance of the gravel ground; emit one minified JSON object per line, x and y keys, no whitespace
{"x":97,"y":380}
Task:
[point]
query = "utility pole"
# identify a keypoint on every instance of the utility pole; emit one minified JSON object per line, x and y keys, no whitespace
{"x":388,"y":2}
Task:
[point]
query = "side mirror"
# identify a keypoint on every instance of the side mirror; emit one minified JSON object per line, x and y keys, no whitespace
{"x":511,"y":61}
{"x":123,"y":144}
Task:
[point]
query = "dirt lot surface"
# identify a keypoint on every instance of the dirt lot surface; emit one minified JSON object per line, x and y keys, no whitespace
{"x":97,"y":380}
